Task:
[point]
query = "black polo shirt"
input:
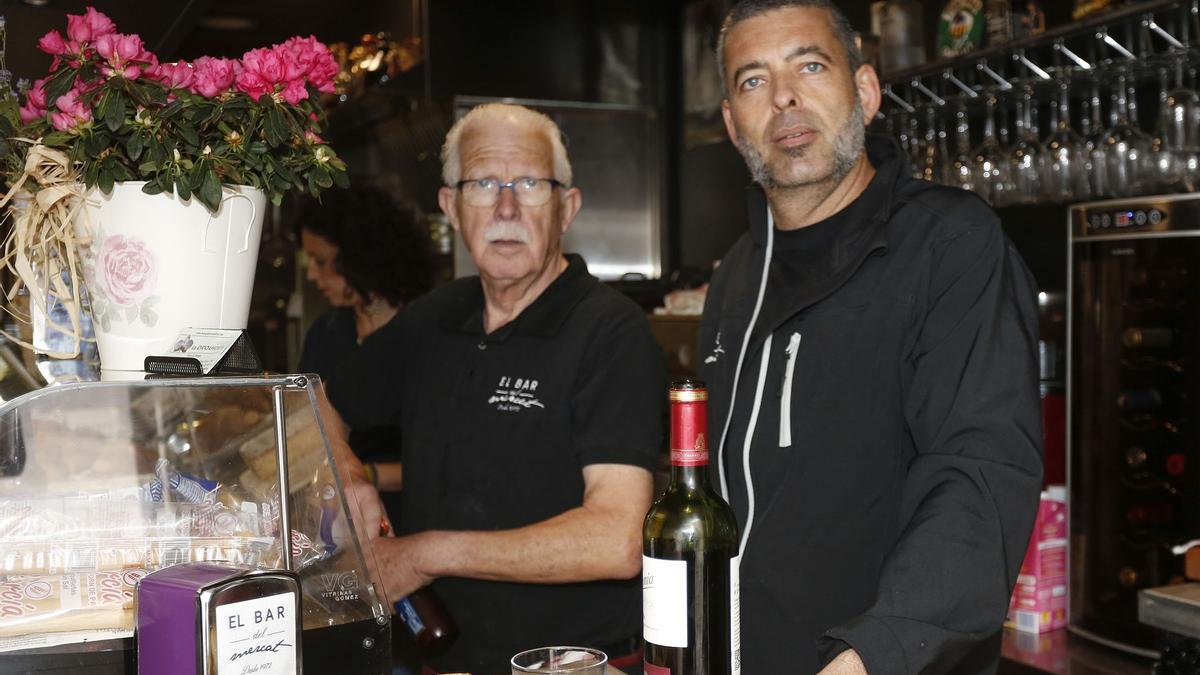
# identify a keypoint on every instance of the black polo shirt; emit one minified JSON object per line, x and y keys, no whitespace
{"x":496,"y":430}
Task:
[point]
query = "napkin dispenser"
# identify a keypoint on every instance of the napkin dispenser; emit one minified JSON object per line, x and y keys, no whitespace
{"x":211,"y":618}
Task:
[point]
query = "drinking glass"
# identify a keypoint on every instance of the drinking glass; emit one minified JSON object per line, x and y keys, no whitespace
{"x":1123,"y":149}
{"x":1066,"y":169}
{"x":990,"y":173}
{"x":564,"y":660}
{"x":1027,"y":157}
{"x":960,"y":172}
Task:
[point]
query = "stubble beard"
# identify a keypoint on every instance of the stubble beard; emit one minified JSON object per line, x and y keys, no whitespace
{"x":847,"y":147}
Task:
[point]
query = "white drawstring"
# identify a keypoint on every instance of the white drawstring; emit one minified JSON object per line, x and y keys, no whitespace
{"x":737,"y":373}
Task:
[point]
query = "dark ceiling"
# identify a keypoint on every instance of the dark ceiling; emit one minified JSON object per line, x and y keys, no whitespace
{"x":175,"y":29}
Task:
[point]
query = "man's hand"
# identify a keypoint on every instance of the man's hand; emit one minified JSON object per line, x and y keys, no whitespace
{"x":370,"y":514}
{"x":846,"y":663}
{"x":399,"y":563}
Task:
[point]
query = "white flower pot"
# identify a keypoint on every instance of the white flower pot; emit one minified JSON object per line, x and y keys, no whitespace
{"x":158,"y":264}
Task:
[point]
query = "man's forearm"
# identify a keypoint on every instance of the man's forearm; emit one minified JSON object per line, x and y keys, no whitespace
{"x":576,"y":545}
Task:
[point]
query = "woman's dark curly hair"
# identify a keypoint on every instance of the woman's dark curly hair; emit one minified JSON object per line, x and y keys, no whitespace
{"x":383,"y":252}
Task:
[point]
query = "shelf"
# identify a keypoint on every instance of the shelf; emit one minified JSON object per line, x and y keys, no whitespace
{"x":1074,"y":29}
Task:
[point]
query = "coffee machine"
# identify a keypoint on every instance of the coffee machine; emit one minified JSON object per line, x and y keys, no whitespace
{"x":1133,"y":446}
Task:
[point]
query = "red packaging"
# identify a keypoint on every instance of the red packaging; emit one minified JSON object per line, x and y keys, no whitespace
{"x":1039,"y":601}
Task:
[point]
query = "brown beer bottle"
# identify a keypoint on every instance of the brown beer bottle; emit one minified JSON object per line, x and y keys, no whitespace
{"x":428,"y":621}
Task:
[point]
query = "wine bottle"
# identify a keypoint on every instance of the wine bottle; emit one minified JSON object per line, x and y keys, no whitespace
{"x":690,"y":557}
{"x":1139,"y":400}
{"x":427,"y":620}
{"x":1147,"y":337}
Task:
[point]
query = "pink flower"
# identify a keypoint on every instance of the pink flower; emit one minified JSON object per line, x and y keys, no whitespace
{"x":295,"y":91}
{"x":213,"y":77}
{"x":30,"y":114}
{"x":313,"y":139}
{"x":89,"y":26}
{"x":127,"y":269}
{"x":53,"y":44}
{"x":178,"y":75}
{"x":71,"y":112}
{"x":315,"y":60}
{"x":262,"y":69}
{"x":37,"y":93}
{"x":123,"y":54}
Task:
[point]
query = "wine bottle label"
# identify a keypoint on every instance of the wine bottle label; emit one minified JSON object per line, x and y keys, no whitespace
{"x":664,"y":602}
{"x":408,"y":614}
{"x":735,"y":615}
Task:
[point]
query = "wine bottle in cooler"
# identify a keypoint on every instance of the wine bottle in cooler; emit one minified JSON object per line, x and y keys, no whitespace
{"x":690,"y":557}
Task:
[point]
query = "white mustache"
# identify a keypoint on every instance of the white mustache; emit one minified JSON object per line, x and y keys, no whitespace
{"x":506,"y":231}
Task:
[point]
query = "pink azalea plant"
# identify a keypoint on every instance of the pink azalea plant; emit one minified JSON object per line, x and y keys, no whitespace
{"x":187,"y":127}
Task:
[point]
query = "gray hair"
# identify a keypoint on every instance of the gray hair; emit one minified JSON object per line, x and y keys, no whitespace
{"x":536,"y":121}
{"x":748,"y":9}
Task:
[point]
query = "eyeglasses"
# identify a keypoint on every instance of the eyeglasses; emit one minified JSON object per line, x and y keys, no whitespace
{"x":485,"y":192}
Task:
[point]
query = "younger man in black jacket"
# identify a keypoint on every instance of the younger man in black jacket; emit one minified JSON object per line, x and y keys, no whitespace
{"x":869,"y":347}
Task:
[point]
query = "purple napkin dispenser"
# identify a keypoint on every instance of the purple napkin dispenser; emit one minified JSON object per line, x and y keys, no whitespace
{"x":213,"y":618}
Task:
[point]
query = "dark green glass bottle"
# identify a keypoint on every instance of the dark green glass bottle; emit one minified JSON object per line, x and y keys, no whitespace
{"x":689,"y":557}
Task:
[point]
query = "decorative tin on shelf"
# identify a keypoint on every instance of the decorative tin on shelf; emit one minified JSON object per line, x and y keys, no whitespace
{"x":218,"y":619}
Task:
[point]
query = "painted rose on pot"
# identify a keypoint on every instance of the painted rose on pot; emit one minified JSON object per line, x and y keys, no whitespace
{"x":126,"y":270}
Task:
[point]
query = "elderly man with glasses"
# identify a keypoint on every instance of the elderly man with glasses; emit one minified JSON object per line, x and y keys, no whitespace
{"x":529,"y":400}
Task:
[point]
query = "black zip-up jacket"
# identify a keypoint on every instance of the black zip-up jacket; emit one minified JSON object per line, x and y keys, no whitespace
{"x":904,"y":362}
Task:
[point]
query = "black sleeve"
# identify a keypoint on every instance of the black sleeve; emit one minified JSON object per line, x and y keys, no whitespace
{"x":971,"y":493}
{"x":617,"y":405}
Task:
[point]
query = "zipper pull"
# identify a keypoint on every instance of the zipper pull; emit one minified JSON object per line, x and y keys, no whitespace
{"x":785,"y":402}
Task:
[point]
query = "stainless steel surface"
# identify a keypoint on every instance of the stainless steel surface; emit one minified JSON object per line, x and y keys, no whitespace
{"x":615,"y":160}
{"x":1172,"y":608}
{"x":281,"y":460}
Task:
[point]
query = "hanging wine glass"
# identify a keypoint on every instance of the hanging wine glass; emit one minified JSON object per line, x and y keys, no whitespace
{"x":1093,"y":133}
{"x":1027,"y":155}
{"x":1124,"y":147}
{"x":961,"y":171}
{"x":991,"y":161}
{"x":1066,"y":168}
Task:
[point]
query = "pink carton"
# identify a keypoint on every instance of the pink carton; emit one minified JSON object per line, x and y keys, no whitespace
{"x":1039,"y":601}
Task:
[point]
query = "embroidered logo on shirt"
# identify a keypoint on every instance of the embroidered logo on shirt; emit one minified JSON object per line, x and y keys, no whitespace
{"x":717,"y":351}
{"x":514,"y":394}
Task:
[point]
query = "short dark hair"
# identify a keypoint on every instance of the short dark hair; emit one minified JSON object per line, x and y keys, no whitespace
{"x":382,"y":250}
{"x":748,"y":9}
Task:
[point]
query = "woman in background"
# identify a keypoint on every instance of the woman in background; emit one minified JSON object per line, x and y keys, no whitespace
{"x":368,"y":258}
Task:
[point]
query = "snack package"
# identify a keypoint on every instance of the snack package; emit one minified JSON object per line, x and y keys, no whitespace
{"x":62,"y":602}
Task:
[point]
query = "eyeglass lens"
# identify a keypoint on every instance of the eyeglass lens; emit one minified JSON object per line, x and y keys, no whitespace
{"x":528,"y":191}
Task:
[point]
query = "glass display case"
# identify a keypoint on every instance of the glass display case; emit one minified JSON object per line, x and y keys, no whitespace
{"x":104,"y":482}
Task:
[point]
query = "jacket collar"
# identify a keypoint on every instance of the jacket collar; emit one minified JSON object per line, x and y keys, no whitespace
{"x":543,"y":317}
{"x":867,"y":231}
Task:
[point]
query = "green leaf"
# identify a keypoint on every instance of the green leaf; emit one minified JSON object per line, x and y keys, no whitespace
{"x":134,"y":146}
{"x":60,"y":83}
{"x":148,"y":166}
{"x":152,"y":188}
{"x":106,"y":322}
{"x":105,"y":181}
{"x":182,"y":188}
{"x":321,"y":175}
{"x":165,"y":184}
{"x":56,"y":139}
{"x":171,"y":109}
{"x":189,"y":134}
{"x":149,"y":317}
{"x":210,"y":191}
{"x":340,"y":179}
{"x":275,"y":127}
{"x":114,"y":116}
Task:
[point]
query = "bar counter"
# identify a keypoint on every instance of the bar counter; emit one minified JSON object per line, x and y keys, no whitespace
{"x":1063,"y":653}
